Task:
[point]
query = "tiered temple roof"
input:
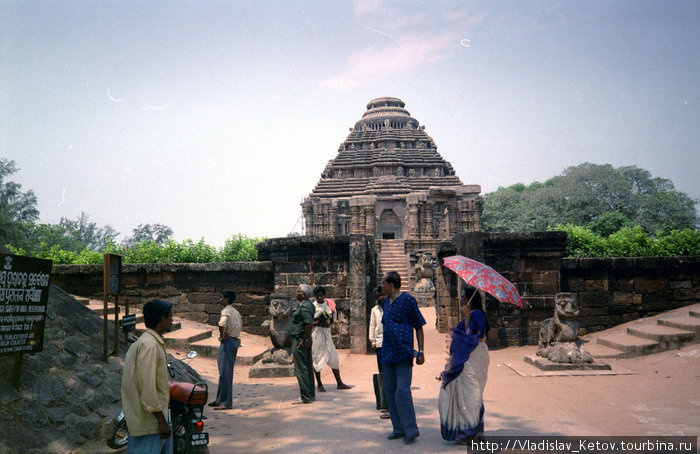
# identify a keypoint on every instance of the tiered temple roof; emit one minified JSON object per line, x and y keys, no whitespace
{"x":386,"y":152}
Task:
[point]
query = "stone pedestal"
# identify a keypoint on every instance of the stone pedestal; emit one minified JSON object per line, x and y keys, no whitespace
{"x":547,"y":365}
{"x":276,"y":362}
{"x":424,"y":299}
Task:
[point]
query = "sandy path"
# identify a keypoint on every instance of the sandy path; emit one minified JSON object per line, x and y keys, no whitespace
{"x":660,"y":395}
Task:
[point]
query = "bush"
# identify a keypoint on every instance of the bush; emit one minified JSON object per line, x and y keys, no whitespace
{"x":240,"y":249}
{"x":630,"y":242}
{"x":237,"y":248}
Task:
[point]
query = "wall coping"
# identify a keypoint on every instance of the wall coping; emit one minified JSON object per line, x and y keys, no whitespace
{"x":621,"y":263}
{"x":550,"y":240}
{"x":264,"y":267}
{"x":296,"y":242}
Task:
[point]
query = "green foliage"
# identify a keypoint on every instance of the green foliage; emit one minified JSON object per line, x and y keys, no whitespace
{"x":84,"y":234}
{"x":237,"y":248}
{"x":158,"y":233}
{"x":598,"y":196}
{"x":240,"y":248}
{"x":630,"y":242}
{"x":609,"y":223}
{"x":17,"y":208}
{"x":582,"y":241}
{"x":677,"y":242}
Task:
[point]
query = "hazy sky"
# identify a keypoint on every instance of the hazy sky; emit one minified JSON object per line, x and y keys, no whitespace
{"x":217,"y":117}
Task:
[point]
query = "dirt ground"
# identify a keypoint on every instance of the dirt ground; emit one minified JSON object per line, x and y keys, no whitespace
{"x":653,"y":395}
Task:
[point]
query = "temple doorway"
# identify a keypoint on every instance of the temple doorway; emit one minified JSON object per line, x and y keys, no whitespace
{"x":389,"y":227}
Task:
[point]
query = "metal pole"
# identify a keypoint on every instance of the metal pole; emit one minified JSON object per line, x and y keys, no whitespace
{"x":105,"y":313}
{"x":116,"y":325}
{"x":18,"y":371}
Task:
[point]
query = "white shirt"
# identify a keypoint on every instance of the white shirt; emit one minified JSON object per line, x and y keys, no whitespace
{"x":375,"y":327}
{"x":231,"y":320}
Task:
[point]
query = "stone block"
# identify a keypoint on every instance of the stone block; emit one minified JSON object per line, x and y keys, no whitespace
{"x":293,"y":267}
{"x":547,"y":365}
{"x":131,"y":280}
{"x":594,"y":299}
{"x":645,"y":285}
{"x":586,"y":311}
{"x":620,"y":284}
{"x":683,"y":294}
{"x":326,"y":279}
{"x":623,"y":299}
{"x":543,"y":288}
{"x":510,"y":322}
{"x":648,"y":298}
{"x":572,"y":284}
{"x":595,"y":285}
{"x":681,"y":285}
{"x":270,"y":370}
{"x":297,"y":279}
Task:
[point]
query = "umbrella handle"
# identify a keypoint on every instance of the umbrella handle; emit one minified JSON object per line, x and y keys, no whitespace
{"x":470,"y":298}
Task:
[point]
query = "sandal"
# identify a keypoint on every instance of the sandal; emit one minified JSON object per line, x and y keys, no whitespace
{"x":214,"y":404}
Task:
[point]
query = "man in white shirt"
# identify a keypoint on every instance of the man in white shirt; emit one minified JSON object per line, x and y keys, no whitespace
{"x":230,"y":325}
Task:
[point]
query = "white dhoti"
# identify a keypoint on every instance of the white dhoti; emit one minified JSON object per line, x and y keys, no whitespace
{"x":323,"y":349}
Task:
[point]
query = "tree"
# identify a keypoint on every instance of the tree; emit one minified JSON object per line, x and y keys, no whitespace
{"x":588,"y":195}
{"x":17,"y":208}
{"x":156,"y":233}
{"x":85,"y":234}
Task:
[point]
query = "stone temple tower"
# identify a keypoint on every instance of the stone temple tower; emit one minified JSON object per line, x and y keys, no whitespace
{"x":389,"y":181}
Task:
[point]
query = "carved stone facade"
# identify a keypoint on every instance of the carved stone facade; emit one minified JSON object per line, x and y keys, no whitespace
{"x":389,"y":181}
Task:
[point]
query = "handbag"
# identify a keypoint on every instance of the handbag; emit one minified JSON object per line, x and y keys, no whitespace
{"x":379,"y":391}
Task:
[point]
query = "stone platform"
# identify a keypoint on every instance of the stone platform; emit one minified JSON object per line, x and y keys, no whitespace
{"x":275,"y":362}
{"x":547,"y":365}
{"x":270,"y":370}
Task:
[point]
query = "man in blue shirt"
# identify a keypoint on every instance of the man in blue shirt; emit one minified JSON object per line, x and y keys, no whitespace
{"x":401,"y":317}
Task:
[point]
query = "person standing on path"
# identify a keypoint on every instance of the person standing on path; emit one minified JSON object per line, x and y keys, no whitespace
{"x":375,"y":337}
{"x":230,"y":325}
{"x":302,"y":326}
{"x":323,"y":350}
{"x":401,"y":317}
{"x":144,"y":388}
{"x":461,"y":398}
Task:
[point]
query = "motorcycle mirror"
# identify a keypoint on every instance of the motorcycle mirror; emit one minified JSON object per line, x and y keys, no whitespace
{"x":191,"y":354}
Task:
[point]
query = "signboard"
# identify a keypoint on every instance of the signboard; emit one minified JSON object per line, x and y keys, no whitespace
{"x":128,"y":323}
{"x":113,"y":271}
{"x":24,"y":294}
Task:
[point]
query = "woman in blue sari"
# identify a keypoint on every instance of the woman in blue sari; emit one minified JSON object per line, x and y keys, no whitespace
{"x":460,"y":401}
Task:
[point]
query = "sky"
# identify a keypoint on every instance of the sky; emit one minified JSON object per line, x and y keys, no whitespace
{"x":217,"y":117}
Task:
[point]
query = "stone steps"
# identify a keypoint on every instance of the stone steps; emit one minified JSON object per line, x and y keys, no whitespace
{"x":187,"y":335}
{"x":630,"y":345}
{"x":690,"y":323}
{"x":662,"y":333}
{"x":392,"y":257}
{"x":647,"y":338}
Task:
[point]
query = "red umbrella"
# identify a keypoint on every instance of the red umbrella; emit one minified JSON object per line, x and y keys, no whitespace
{"x":484,"y":278}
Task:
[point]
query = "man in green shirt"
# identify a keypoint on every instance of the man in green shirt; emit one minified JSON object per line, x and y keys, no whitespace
{"x":300,"y":331}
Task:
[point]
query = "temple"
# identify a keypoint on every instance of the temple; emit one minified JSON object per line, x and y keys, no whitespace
{"x":389,"y":181}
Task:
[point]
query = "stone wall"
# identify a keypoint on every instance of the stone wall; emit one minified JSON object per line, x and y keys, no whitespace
{"x":611,"y":291}
{"x":326,"y":261}
{"x":530,"y":260}
{"x":193,"y":288}
{"x":616,"y":290}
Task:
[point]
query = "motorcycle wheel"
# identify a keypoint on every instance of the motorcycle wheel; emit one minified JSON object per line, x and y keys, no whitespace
{"x":120,"y":434}
{"x":182,"y":434}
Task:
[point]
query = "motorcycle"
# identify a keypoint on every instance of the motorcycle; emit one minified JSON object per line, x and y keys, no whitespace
{"x":187,"y":402}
